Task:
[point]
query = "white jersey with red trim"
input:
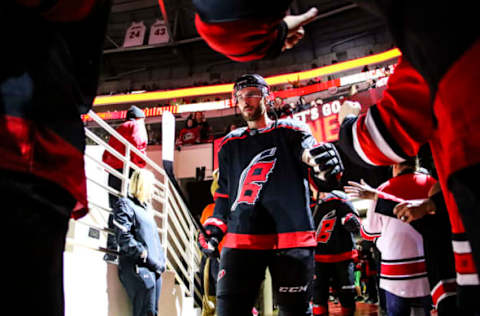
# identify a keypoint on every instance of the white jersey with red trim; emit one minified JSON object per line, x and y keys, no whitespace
{"x":263,"y":194}
{"x":403,"y":270}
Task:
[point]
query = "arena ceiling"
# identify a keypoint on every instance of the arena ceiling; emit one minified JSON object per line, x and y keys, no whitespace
{"x":339,"y":22}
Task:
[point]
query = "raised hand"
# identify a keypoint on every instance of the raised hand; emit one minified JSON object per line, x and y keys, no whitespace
{"x":360,"y":190}
{"x":295,"y":25}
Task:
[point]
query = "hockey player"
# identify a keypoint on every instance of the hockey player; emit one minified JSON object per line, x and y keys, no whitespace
{"x":336,"y":221}
{"x":262,"y":205}
{"x":189,"y":135}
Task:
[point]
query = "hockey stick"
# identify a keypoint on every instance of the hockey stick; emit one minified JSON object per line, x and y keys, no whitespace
{"x":168,"y":150}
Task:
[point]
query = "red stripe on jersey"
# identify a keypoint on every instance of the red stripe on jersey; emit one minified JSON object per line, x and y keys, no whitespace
{"x":270,"y":241}
{"x":216,"y":222}
{"x":443,"y":289}
{"x":224,"y":141}
{"x":368,"y":236}
{"x":334,"y":198}
{"x":220,"y":195}
{"x":348,"y":255}
{"x":348,"y":217}
{"x":403,"y":269}
{"x":366,"y":146}
{"x":464,"y":263}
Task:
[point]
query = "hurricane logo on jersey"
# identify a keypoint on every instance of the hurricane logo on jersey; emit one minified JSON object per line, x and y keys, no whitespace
{"x":325,"y":228}
{"x":254,"y":177}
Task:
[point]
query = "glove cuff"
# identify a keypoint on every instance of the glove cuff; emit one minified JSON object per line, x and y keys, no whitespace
{"x":212,"y":221}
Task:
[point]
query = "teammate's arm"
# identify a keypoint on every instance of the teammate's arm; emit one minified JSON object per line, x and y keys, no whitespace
{"x":396,"y":127}
{"x":371,"y":227}
{"x":251,"y":39}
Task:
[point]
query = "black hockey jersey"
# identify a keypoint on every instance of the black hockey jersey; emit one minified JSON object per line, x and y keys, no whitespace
{"x":336,"y":221}
{"x":262,"y":201}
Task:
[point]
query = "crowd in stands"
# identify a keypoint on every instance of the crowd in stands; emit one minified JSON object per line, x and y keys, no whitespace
{"x":196,"y":130}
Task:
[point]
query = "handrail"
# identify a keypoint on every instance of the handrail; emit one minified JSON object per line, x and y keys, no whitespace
{"x":176,"y":227}
{"x":125,"y":142}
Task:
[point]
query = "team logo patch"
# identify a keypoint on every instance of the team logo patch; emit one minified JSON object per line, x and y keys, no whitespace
{"x":254,"y":177}
{"x":221,"y":274}
{"x":324,"y":230}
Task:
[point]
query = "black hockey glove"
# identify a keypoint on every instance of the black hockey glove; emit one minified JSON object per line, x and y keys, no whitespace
{"x":326,"y":165}
{"x":351,"y":223}
{"x":215,"y":231}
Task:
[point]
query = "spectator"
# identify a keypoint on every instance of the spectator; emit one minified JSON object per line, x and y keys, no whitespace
{"x":134,"y":131}
{"x":403,"y":271}
{"x":142,"y":259}
{"x":189,"y":135}
{"x":278,"y":107}
{"x":231,"y":127}
{"x":293,"y":107}
{"x":49,"y":76}
{"x":200,"y":121}
{"x":302,"y":105}
{"x":367,"y":263}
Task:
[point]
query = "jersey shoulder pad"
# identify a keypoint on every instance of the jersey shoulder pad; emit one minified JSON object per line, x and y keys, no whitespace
{"x":235,"y":134}
{"x":340,"y":199}
{"x":293,"y":124}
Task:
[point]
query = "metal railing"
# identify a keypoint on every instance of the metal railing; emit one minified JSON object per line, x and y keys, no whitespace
{"x":176,"y":227}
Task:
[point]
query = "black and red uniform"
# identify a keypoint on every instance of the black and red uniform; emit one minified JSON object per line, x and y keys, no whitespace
{"x":262,"y":204}
{"x":48,"y":78}
{"x":336,"y":221}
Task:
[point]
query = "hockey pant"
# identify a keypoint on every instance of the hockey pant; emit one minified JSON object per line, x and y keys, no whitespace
{"x":242,"y":272}
{"x":340,"y":276}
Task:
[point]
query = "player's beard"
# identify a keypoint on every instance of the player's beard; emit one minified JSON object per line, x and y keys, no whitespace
{"x":255,"y":115}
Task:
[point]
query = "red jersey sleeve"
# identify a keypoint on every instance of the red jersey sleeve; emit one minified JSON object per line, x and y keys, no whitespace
{"x":244,"y":40}
{"x":396,"y":127}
